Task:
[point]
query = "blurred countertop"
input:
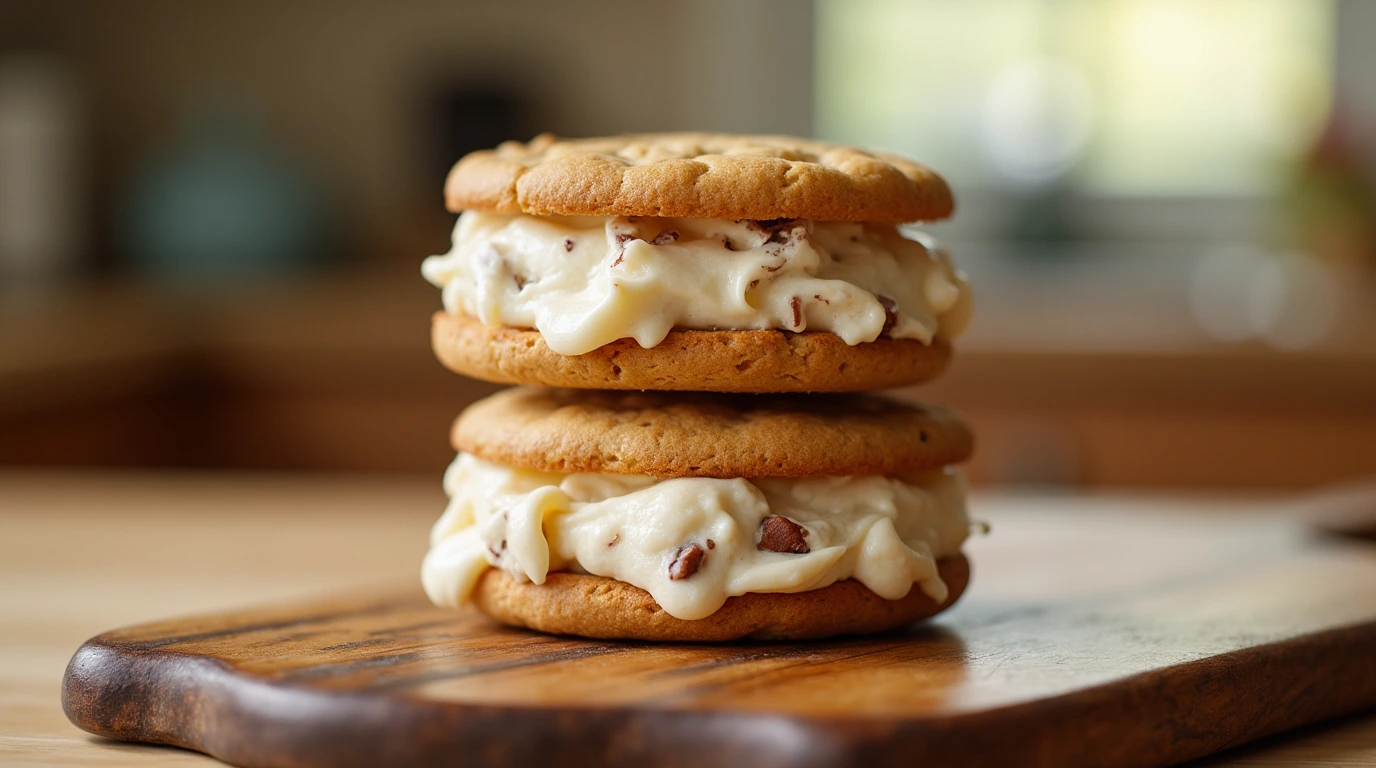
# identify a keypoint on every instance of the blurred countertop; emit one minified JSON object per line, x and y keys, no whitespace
{"x":95,"y":339}
{"x":335,"y":372}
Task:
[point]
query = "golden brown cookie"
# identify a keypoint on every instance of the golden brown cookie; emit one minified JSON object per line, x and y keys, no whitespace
{"x":694,"y":361}
{"x":594,"y":606}
{"x":701,"y":175}
{"x":700,"y":435}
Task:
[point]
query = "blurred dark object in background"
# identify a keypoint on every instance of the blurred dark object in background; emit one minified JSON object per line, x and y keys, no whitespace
{"x":221,"y":202}
{"x":41,"y":196}
{"x":469,"y":119}
{"x":212,"y":215}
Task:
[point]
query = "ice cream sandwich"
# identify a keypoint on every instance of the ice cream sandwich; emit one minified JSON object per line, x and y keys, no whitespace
{"x":690,"y":261}
{"x":702,"y":517}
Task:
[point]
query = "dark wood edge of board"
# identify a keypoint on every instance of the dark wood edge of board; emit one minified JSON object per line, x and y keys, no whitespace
{"x":131,"y":692}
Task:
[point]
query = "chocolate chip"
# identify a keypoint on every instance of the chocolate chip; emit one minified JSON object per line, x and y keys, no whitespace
{"x":797,"y":305}
{"x":776,"y":232}
{"x":779,"y":534}
{"x":687,"y":561}
{"x":621,"y":240}
{"x":771,"y":226}
{"x":665,"y":237}
{"x":568,"y":244}
{"x":890,"y":313}
{"x":711,"y":544}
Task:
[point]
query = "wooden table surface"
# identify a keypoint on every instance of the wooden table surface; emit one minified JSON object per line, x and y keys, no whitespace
{"x":81,"y":553}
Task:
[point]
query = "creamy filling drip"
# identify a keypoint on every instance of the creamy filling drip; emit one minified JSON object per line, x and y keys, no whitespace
{"x":693,"y":542}
{"x":586,"y":281}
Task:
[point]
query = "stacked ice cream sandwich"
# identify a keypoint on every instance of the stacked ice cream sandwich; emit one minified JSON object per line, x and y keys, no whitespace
{"x":682,"y":310}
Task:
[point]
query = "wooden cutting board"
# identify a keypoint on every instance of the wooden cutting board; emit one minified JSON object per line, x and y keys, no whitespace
{"x":1139,"y":635}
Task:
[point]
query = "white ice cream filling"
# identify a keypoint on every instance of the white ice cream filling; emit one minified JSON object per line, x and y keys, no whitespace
{"x":586,"y":281}
{"x":885,"y":532}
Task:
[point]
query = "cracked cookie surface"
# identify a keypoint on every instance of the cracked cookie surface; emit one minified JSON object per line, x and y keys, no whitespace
{"x":705,"y":175}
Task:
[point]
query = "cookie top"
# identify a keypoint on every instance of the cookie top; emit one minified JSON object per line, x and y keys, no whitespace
{"x":699,"y":175}
{"x":703,"y":435}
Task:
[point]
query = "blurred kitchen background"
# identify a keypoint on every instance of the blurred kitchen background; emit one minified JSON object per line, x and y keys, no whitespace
{"x":212,"y":215}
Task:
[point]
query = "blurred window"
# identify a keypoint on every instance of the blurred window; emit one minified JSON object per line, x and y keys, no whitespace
{"x":1113,"y":97}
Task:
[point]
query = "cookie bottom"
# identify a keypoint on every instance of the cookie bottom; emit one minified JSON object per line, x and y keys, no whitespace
{"x":595,"y":606}
{"x":702,"y":361}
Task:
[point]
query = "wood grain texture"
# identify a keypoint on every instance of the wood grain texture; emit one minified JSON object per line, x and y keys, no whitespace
{"x":1127,"y":634}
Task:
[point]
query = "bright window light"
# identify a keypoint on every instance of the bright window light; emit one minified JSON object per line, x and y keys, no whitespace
{"x":1115,"y":97}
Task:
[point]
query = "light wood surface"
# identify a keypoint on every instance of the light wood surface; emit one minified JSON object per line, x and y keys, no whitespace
{"x":82,"y":553}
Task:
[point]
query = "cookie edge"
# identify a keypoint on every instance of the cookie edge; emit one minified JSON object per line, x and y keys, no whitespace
{"x":604,"y":608}
{"x":742,"y":362}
